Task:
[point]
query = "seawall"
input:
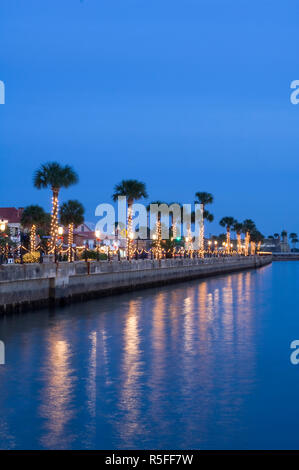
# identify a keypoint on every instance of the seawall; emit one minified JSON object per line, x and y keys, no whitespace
{"x":29,"y":286}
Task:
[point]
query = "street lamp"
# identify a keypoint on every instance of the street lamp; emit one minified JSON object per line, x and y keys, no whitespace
{"x":3,"y":224}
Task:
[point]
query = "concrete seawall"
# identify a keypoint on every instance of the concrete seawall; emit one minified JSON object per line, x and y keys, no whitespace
{"x":30,"y":286}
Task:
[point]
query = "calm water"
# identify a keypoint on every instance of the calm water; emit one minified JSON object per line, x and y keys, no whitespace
{"x":196,"y":365}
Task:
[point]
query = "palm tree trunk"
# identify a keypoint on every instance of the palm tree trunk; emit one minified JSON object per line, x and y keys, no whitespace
{"x":247,"y":240}
{"x":228,"y":239}
{"x":239,"y":243}
{"x":202,"y":234}
{"x":70,"y":242}
{"x":54,"y":219}
{"x":173,"y":235}
{"x":129,"y":232}
{"x":252,"y":246}
{"x":32,"y":238}
{"x":159,"y":239}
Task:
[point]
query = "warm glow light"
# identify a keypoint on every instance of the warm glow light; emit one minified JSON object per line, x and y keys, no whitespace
{"x":98,"y":234}
{"x":60,"y":231}
{"x":3,"y":224}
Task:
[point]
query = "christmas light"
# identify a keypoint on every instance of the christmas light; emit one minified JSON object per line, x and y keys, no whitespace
{"x":70,"y":242}
{"x":32,"y":238}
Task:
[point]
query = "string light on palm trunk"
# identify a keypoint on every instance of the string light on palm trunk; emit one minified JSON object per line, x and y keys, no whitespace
{"x":247,"y":240}
{"x":159,"y":239}
{"x":239,"y":249}
{"x":32,"y":238}
{"x":70,"y":242}
{"x":129,"y":234}
{"x":228,"y":240}
{"x":54,"y":220}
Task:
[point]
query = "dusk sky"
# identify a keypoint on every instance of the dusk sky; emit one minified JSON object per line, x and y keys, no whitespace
{"x":185,"y":95}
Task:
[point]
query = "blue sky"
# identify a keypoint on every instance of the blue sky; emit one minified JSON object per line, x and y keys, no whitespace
{"x":186,"y":96}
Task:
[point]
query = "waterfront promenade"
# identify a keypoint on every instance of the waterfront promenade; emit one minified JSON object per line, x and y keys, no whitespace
{"x":30,"y":286}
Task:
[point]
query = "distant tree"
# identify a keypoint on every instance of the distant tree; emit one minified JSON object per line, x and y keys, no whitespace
{"x":55,"y":176}
{"x":71,"y":215}
{"x":33,"y":216}
{"x":204,"y":198}
{"x":257,"y":238}
{"x":133,"y":190}
{"x":237,"y":227}
{"x":294,"y":239}
{"x":248,"y":228}
{"x":227,"y":222}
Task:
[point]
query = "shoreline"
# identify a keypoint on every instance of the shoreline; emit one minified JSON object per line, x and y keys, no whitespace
{"x":35,"y":286}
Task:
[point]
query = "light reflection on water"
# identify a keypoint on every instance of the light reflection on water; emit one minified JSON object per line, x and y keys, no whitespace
{"x":183,"y":366}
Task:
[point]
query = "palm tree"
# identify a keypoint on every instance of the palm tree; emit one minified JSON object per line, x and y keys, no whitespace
{"x":295,"y":241}
{"x":293,"y":236}
{"x":133,"y":190}
{"x":256,"y":239}
{"x":248,"y":228}
{"x":227,"y":222}
{"x":158,"y":236}
{"x":32,"y":217}
{"x":71,"y":215}
{"x":204,"y":198}
{"x":237,"y":227}
{"x":55,"y":176}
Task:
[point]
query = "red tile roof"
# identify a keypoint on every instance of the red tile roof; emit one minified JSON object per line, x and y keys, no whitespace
{"x":12,"y":214}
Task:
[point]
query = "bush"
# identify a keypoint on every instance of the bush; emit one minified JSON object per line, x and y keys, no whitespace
{"x":31,"y":257}
{"x":93,"y":255}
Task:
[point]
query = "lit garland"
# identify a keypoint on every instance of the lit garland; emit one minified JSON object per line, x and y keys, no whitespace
{"x":32,"y":238}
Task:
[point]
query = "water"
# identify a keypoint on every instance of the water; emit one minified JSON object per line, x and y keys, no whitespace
{"x":201,"y":365}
